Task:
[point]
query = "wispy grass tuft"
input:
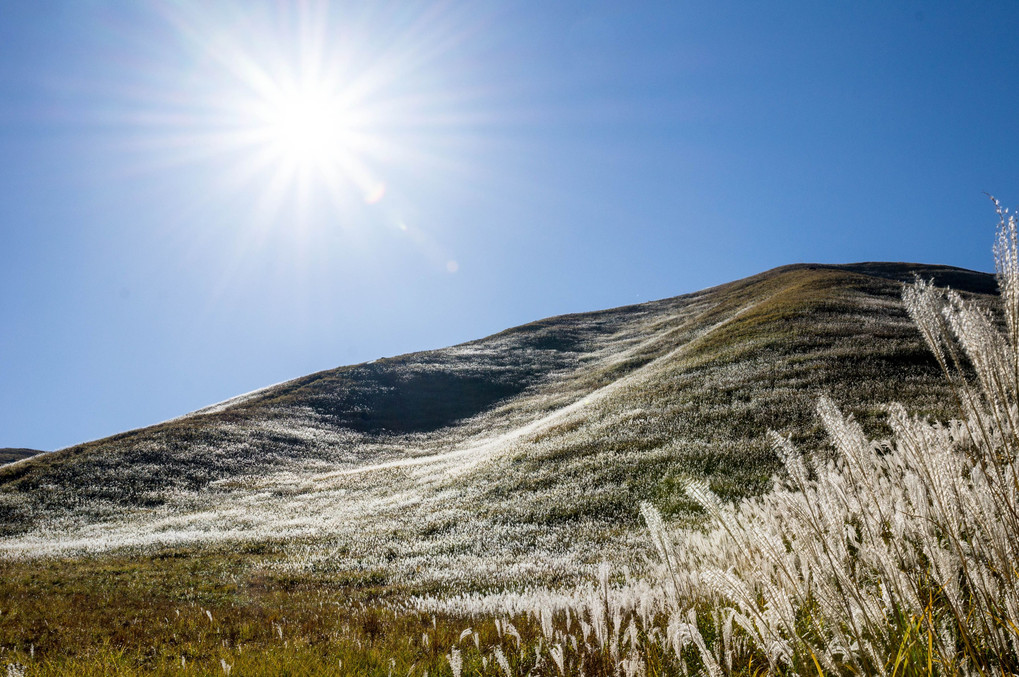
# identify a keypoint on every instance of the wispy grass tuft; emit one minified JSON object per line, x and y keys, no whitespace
{"x":897,"y":556}
{"x":893,"y":556}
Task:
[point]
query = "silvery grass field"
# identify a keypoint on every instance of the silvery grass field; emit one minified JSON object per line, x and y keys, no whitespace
{"x":810,"y":471}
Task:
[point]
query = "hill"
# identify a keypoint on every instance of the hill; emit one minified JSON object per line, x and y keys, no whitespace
{"x":11,"y":454}
{"x":518,"y":457}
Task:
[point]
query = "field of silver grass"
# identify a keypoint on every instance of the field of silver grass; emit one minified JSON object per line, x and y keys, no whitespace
{"x":882,"y":557}
{"x":539,"y":489}
{"x":407,"y":508}
{"x":876,"y":557}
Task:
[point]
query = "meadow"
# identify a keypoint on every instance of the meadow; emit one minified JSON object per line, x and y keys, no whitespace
{"x":710,"y":484}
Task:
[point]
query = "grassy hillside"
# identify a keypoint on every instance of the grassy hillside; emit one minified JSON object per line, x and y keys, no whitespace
{"x":11,"y":454}
{"x":542,"y":438}
{"x":287,"y":529}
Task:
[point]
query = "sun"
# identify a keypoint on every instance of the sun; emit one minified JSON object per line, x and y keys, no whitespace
{"x":306,"y":127}
{"x":312,"y":133}
{"x":296,"y":102}
{"x":311,"y":108}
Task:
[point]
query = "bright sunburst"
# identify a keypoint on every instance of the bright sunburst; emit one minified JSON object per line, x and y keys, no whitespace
{"x":304,"y":104}
{"x":305,"y":126}
{"x":309,"y":132}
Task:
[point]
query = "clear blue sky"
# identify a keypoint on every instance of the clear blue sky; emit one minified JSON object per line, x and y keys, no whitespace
{"x":198,"y":199}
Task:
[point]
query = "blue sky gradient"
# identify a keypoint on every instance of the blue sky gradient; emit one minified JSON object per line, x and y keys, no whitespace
{"x":514,"y":161}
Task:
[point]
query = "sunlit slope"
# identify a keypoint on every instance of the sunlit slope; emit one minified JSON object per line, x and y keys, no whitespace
{"x":523,"y":454}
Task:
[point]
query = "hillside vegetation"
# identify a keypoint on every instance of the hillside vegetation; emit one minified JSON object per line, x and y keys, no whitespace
{"x":11,"y":454}
{"x":477,"y":509}
{"x":545,"y":438}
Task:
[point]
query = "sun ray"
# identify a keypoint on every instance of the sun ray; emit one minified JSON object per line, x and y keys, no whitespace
{"x":296,"y":122}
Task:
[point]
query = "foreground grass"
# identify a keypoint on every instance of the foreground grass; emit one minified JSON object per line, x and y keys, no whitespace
{"x":204,"y":612}
{"x":218,"y":611}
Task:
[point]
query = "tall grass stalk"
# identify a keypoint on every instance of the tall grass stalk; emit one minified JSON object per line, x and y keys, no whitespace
{"x":887,"y":557}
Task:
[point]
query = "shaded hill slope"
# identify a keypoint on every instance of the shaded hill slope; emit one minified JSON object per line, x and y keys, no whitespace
{"x":11,"y":454}
{"x":523,"y":454}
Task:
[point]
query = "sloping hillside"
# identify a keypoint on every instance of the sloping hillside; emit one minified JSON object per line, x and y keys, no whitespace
{"x":11,"y":454}
{"x":520,"y":455}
